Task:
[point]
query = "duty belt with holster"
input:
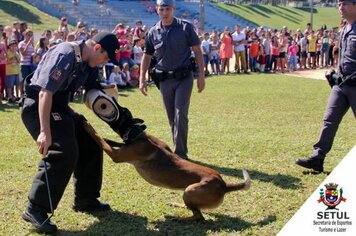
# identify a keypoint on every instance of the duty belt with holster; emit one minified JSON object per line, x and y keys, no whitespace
{"x":159,"y":75}
{"x":335,"y":79}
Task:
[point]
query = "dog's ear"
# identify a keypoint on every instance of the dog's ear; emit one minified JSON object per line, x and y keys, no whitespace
{"x":138,"y":121}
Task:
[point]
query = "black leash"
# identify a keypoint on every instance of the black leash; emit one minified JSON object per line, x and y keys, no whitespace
{"x":49,"y":195}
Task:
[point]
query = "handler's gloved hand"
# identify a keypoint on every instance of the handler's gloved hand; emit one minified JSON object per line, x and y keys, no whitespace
{"x":117,"y":117}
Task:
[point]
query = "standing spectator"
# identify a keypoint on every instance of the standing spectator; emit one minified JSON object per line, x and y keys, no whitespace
{"x":16,"y":31}
{"x":137,"y":50}
{"x":26,"y":50}
{"x":283,"y":48}
{"x":266,"y":42}
{"x":293,"y":60}
{"x":23,"y":28}
{"x":138,"y":31}
{"x":2,"y":69}
{"x":332,"y":41}
{"x":304,"y":50}
{"x":225,"y":50}
{"x":214,"y":55}
{"x":253,"y":52}
{"x":176,"y":87}
{"x":274,"y":53}
{"x":43,"y":46}
{"x":205,"y":46}
{"x":126,"y":50}
{"x":324,"y":52}
{"x":12,"y":71}
{"x":63,"y":26}
{"x":312,"y":50}
{"x":261,"y":60}
{"x":81,"y":34}
{"x":239,"y":41}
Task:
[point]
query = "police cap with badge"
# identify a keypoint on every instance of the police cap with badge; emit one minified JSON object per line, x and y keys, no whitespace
{"x":166,"y":3}
{"x":109,"y":43}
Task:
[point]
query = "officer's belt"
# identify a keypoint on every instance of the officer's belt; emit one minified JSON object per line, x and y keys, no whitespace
{"x":349,"y":80}
{"x":180,"y":73}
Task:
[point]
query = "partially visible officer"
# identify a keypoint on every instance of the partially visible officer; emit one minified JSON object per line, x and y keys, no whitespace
{"x":343,"y":93}
{"x":172,"y":41}
{"x":65,"y":146}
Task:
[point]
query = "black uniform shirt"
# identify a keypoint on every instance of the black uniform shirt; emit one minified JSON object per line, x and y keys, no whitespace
{"x":347,"y":64}
{"x":172,"y":44}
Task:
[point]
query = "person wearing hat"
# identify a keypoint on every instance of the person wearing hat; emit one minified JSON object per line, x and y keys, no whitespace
{"x":63,"y":143}
{"x":343,"y":93}
{"x":172,"y":40}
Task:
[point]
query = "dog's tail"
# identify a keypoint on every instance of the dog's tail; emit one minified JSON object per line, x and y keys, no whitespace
{"x":240,"y":186}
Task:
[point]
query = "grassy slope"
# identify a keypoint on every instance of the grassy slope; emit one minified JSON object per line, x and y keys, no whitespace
{"x":22,"y":11}
{"x":259,"y":122}
{"x":278,"y":16}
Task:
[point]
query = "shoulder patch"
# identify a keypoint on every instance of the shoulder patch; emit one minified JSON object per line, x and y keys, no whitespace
{"x":56,"y":74}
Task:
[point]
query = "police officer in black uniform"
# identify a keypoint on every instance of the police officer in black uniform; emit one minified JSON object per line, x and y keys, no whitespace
{"x":172,"y":41}
{"x":61,"y":139}
{"x":343,"y":93}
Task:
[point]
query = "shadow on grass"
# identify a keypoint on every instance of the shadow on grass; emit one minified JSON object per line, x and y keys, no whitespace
{"x":280,"y":180}
{"x":220,"y":223}
{"x":16,"y":10}
{"x":6,"y":107}
{"x":115,"y":223}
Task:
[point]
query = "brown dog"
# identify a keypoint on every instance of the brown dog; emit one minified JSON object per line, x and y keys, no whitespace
{"x":157,"y":164}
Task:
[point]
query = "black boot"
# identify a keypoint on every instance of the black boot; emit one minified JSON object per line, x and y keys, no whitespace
{"x":314,"y":162}
{"x":39,"y":220}
{"x":90,"y":205}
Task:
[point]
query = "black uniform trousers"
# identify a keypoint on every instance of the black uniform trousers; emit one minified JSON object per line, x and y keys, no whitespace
{"x":340,"y":100}
{"x":72,"y":151}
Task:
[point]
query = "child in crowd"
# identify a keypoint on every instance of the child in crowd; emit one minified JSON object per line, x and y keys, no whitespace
{"x":254,"y":49}
{"x":117,"y":78}
{"x":205,"y":46}
{"x":134,"y":76}
{"x":137,"y":51}
{"x":126,"y":72}
{"x":36,"y":58}
{"x":214,"y":54}
{"x":12,"y":72}
{"x":293,"y":60}
{"x":261,"y":61}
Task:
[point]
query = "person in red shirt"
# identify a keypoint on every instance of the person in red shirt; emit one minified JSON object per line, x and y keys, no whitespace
{"x":253,"y":51}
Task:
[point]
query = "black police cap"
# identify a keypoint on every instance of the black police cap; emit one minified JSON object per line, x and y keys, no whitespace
{"x":109,"y":43}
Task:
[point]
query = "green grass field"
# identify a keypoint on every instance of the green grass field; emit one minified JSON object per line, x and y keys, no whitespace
{"x":278,"y":16}
{"x":260,"y":122}
{"x":22,"y":11}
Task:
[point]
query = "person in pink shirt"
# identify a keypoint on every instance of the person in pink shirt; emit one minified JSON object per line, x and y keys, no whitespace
{"x":293,"y":60}
{"x":225,"y":50}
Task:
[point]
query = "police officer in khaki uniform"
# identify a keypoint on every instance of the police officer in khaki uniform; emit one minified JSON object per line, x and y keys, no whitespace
{"x":65,"y":146}
{"x":172,"y":41}
{"x":343,"y":93}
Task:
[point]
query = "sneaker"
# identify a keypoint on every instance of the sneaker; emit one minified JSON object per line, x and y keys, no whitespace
{"x":90,"y":205}
{"x":314,"y":162}
{"x":39,"y":220}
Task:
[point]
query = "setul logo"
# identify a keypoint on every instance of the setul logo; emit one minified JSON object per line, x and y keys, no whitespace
{"x":331,"y":196}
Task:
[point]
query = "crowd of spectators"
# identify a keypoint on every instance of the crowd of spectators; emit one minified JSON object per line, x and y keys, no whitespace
{"x":270,"y":50}
{"x":255,"y":50}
